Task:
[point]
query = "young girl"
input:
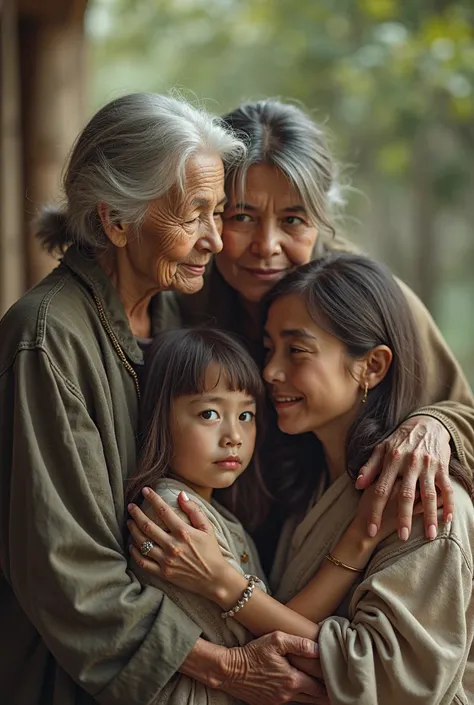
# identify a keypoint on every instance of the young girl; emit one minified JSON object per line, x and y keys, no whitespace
{"x":202,"y":405}
{"x":343,"y":369}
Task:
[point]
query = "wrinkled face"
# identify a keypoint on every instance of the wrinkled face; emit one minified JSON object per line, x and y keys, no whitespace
{"x":213,"y":435}
{"x":267,"y":233}
{"x":313,"y":383}
{"x":182,"y":230}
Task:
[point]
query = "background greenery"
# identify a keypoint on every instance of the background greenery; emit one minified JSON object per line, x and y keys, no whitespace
{"x":393,"y":81}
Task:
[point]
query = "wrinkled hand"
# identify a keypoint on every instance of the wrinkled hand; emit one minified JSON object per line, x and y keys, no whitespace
{"x":419,"y":452}
{"x":187,"y":556}
{"x":259,"y":673}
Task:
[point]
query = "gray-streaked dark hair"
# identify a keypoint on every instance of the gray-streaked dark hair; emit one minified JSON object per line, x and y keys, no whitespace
{"x":282,"y":135}
{"x":131,"y":152}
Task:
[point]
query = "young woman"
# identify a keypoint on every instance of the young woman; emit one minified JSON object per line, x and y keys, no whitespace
{"x":280,"y":215}
{"x":202,"y":406}
{"x":344,"y":367}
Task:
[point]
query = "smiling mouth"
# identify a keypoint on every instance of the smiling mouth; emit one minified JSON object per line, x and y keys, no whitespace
{"x":282,"y":401}
{"x":196,"y":270}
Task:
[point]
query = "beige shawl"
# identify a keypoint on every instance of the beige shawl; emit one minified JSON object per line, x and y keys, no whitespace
{"x":404,"y":634}
{"x":238,"y":548}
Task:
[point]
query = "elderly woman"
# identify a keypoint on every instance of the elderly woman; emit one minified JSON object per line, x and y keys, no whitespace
{"x":278,"y":216}
{"x":144,"y":195}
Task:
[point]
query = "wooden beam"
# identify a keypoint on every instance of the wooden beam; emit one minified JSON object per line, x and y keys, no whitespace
{"x":11,"y":182}
{"x":54,"y":71}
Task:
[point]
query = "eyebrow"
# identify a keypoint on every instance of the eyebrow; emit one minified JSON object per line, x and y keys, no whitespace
{"x":206,"y":202}
{"x":288,"y":209}
{"x":205,"y":399}
{"x":293,"y":333}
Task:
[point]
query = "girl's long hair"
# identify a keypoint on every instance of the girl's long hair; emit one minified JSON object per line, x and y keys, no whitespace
{"x":359,"y":302}
{"x":176,"y":365}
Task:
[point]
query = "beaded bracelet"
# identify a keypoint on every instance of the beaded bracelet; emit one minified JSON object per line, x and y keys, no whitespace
{"x":246,"y":595}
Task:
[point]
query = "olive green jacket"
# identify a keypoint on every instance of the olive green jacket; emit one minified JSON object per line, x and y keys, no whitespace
{"x":76,"y":625}
{"x":447,"y":397}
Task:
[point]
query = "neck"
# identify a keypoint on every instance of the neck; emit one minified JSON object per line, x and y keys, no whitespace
{"x":134,"y":293}
{"x":251,"y":319}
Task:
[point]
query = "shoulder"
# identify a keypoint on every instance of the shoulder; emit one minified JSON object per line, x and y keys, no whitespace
{"x":456,"y":538}
{"x":57,"y":319}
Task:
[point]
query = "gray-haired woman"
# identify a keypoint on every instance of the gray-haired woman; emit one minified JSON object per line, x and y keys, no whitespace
{"x":278,"y":216}
{"x":144,"y":195}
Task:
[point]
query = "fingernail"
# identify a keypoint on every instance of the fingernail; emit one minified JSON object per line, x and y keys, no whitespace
{"x":316,"y":648}
{"x":403,"y":534}
{"x":432,"y":532}
{"x":449,"y":518}
{"x":131,"y":507}
{"x":372,"y":530}
{"x":146,"y":491}
{"x":185,"y":496}
{"x":359,"y":477}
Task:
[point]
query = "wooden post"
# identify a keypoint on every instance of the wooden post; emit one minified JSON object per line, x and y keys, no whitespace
{"x":53,"y":98}
{"x":11,"y":183}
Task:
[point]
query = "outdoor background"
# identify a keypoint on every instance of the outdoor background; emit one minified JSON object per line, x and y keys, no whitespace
{"x":392,"y":81}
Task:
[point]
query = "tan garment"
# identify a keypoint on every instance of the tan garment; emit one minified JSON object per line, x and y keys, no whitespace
{"x":237,"y":547}
{"x":404,"y":634}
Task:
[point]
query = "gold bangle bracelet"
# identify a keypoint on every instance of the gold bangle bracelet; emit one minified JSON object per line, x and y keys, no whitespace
{"x":340,"y":564}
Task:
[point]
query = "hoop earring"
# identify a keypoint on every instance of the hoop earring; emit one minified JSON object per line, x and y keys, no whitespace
{"x":366,"y":392}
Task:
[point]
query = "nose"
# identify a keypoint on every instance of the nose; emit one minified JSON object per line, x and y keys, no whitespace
{"x":266,"y":240}
{"x":231,"y":437}
{"x":211,"y":238}
{"x":273,"y":372}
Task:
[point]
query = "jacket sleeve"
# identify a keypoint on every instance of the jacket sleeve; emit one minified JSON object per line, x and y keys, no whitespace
{"x":408,"y":640}
{"x":64,"y":550}
{"x":448,"y":396}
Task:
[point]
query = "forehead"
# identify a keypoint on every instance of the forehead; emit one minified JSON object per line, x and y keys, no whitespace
{"x":203,"y":182}
{"x":263,"y":180}
{"x":289,"y":313}
{"x":216,"y":382}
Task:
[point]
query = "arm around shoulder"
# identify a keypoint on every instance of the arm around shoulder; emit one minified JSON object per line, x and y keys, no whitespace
{"x":54,"y":467}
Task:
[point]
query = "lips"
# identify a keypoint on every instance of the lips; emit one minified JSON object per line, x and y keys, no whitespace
{"x":264,"y":274}
{"x":285,"y":401}
{"x":195,"y":269}
{"x":232,"y":462}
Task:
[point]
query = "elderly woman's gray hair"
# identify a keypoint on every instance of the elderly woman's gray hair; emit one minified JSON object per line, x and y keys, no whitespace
{"x":282,"y":135}
{"x":131,"y":152}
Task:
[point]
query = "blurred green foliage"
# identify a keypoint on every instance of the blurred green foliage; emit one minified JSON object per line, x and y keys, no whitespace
{"x":392,"y":80}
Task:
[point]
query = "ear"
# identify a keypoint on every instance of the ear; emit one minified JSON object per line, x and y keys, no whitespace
{"x":114,"y":229}
{"x":377,"y":364}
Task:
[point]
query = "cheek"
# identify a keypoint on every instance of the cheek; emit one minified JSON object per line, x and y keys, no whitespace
{"x":299,"y":250}
{"x":234,"y":243}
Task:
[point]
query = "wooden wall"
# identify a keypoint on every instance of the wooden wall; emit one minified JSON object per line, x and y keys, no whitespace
{"x":42,"y":76}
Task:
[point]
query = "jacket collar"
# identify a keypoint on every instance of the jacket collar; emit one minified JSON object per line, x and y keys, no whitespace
{"x":85,"y":266}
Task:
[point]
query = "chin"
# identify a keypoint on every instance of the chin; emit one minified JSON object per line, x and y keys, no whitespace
{"x":188,"y":287}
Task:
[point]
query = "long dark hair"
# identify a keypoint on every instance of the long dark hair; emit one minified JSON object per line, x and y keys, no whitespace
{"x":359,"y":302}
{"x":176,"y":365}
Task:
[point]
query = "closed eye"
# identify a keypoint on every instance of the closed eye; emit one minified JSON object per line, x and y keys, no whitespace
{"x":295,"y":350}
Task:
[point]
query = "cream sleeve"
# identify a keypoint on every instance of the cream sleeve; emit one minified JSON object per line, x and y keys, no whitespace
{"x":410,"y":632}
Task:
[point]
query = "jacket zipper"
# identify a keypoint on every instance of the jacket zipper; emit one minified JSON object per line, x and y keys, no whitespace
{"x":116,"y":344}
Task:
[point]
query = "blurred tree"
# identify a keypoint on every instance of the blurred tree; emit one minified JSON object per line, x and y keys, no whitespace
{"x":394,"y":79}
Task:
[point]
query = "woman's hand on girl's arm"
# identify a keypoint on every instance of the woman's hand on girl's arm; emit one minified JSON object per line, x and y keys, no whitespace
{"x":419,"y":451}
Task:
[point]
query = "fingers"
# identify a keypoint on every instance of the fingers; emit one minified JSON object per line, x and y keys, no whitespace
{"x":371,"y":469}
{"x":144,"y":561}
{"x":429,"y":498}
{"x":443,"y":483}
{"x":196,"y":516}
{"x":407,"y":497}
{"x":146,"y":528}
{"x":295,"y":645}
{"x":164,"y":513}
{"x":383,"y":489}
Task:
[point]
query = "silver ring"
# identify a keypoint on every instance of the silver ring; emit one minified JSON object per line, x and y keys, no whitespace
{"x":146,"y":547}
